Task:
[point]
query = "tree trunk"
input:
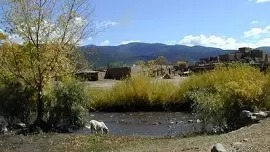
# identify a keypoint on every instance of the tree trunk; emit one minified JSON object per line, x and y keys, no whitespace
{"x":39,"y":122}
{"x":40,"y":108}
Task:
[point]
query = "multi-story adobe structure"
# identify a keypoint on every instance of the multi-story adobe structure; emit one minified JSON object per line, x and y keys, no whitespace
{"x":256,"y":57}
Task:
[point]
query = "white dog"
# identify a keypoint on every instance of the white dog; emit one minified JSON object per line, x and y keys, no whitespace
{"x":96,"y":126}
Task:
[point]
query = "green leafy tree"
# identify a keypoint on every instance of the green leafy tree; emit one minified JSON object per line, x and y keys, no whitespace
{"x":51,"y":31}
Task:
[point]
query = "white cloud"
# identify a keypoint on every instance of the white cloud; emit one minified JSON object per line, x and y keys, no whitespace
{"x":104,"y":43}
{"x":15,"y":39}
{"x":106,"y":24}
{"x":130,"y":41}
{"x":171,"y":42}
{"x":110,"y":23}
{"x":89,"y":38}
{"x":213,"y":41}
{"x":257,"y":32}
{"x":254,"y":22}
{"x":260,"y":1}
{"x":263,"y":42}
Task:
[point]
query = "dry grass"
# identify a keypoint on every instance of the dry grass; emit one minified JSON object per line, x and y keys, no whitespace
{"x":136,"y":93}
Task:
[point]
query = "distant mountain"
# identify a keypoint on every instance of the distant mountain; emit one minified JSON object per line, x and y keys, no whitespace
{"x":131,"y":53}
{"x":265,"y":48}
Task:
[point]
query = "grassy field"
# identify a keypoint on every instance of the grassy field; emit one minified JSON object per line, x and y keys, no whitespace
{"x":254,"y":138}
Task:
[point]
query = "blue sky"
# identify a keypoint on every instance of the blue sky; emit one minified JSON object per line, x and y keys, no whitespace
{"x":226,"y":24}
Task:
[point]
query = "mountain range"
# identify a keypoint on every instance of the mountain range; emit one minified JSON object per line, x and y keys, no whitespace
{"x":128,"y":54}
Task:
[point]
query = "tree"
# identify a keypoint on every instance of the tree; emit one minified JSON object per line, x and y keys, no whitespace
{"x":182,"y":64}
{"x":152,"y":67}
{"x":161,"y":60}
{"x":51,"y":31}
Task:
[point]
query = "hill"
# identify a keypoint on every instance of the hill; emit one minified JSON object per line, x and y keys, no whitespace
{"x":265,"y":48}
{"x":129,"y":54}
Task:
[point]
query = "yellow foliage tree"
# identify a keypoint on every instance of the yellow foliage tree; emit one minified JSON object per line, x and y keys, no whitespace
{"x":51,"y":32}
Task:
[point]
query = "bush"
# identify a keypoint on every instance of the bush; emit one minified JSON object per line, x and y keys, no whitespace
{"x":221,"y":95}
{"x":66,"y":105}
{"x":17,"y":102}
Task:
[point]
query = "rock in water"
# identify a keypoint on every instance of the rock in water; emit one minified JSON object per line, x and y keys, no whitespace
{"x":218,"y":148}
{"x":245,"y":114}
{"x":19,"y":125}
{"x":261,"y":114}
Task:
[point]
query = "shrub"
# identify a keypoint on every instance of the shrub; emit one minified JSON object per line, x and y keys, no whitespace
{"x":17,"y":102}
{"x":220,"y":95}
{"x":66,"y":105}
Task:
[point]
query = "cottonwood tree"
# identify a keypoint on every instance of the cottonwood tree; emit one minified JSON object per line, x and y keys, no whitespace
{"x":51,"y":31}
{"x":161,"y":60}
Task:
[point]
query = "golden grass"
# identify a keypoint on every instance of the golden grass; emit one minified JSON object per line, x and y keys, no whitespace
{"x":233,"y":82}
{"x":138,"y":91}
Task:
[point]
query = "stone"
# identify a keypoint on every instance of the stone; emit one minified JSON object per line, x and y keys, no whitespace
{"x":260,"y":114}
{"x":218,"y":148}
{"x":179,"y":122}
{"x":254,"y":119}
{"x":171,"y":122}
{"x":4,"y":130}
{"x":198,"y":121}
{"x":190,"y":121}
{"x":245,"y":114}
{"x":155,"y":123}
{"x":19,"y":125}
{"x":237,"y":144}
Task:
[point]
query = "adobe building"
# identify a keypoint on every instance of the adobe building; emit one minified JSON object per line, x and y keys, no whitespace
{"x":87,"y":75}
{"x":118,"y":73}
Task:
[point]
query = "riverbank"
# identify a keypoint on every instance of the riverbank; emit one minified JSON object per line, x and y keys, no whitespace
{"x":252,"y":138}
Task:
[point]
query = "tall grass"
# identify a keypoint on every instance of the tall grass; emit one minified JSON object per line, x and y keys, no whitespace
{"x":219,"y":96}
{"x":136,"y":93}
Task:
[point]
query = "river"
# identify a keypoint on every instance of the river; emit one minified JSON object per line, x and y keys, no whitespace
{"x":157,"y":124}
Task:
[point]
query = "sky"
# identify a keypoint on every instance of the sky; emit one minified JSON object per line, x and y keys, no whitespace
{"x":226,"y":24}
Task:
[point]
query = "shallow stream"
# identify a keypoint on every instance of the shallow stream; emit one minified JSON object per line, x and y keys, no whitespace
{"x":157,"y":124}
